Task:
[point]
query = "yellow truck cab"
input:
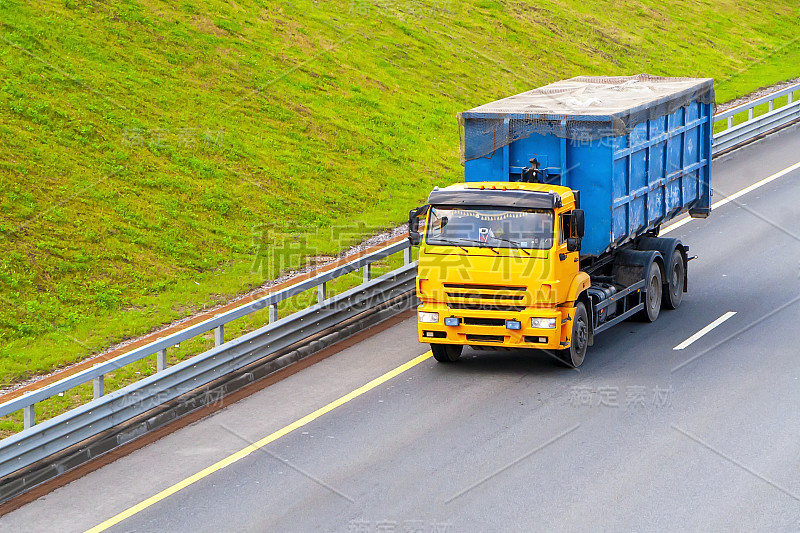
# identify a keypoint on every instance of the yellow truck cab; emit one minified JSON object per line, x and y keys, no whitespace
{"x":498,"y":266}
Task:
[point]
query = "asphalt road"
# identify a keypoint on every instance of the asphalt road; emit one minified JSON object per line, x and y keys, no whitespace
{"x":637,"y":440}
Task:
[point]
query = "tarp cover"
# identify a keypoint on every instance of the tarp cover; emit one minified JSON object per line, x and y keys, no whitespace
{"x":581,"y":108}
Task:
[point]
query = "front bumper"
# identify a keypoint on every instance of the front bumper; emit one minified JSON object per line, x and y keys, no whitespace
{"x":487,"y":328}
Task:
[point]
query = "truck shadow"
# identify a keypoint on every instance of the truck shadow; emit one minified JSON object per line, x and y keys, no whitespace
{"x":608,"y":349}
{"x":509,"y":362}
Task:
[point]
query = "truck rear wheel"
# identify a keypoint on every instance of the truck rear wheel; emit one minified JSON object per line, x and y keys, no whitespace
{"x":579,"y":340}
{"x":675,"y":275}
{"x":446,"y":353}
{"x":652,"y":297}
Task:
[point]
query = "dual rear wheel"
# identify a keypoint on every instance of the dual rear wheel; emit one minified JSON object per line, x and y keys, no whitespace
{"x":664,"y":293}
{"x":676,"y":273}
{"x":652,"y":297}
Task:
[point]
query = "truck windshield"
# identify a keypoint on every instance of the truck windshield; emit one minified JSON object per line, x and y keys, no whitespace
{"x":491,"y":227}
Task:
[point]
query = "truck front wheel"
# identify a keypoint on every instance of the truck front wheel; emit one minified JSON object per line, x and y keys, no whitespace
{"x":446,"y":353}
{"x":574,"y":355}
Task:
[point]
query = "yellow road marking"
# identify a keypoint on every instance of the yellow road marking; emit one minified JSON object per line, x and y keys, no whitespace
{"x":259,"y":444}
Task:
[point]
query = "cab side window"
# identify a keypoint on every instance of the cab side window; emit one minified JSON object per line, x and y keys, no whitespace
{"x":563,"y":230}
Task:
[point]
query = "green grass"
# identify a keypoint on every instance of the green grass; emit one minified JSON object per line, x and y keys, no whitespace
{"x":126,"y":375}
{"x":157,"y":158}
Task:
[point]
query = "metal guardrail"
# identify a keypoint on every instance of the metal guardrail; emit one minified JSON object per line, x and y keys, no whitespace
{"x":67,"y":429}
{"x":753,"y":126}
{"x":37,"y":442}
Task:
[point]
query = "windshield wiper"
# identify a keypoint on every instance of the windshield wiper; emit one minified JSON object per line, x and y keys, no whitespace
{"x":452,"y":242}
{"x":515,"y":243}
{"x":486,"y":245}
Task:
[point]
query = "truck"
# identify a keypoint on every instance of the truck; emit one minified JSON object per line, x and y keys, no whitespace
{"x":553,"y":237}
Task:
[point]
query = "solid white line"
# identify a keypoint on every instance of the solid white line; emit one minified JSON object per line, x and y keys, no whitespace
{"x":705,"y":330}
{"x":735,"y":195}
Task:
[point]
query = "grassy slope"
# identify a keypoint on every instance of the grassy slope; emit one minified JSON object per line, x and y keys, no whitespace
{"x":150,"y":154}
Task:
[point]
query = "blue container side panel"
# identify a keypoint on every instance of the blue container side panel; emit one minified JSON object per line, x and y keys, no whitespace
{"x":486,"y":168}
{"x":629,"y":184}
{"x":546,"y":149}
{"x":691,"y":150}
{"x":705,"y":133}
{"x":588,"y":165}
{"x":659,"y":170}
{"x":506,"y":163}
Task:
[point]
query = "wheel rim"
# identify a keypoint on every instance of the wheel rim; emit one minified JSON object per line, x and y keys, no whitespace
{"x":676,"y":280}
{"x":580,"y":334}
{"x":651,"y":293}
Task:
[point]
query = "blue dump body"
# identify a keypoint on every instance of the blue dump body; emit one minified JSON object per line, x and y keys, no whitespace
{"x":637,"y":162}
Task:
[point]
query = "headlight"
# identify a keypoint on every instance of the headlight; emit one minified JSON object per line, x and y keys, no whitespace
{"x":513,"y":324}
{"x":543,"y":323}
{"x":429,"y":318}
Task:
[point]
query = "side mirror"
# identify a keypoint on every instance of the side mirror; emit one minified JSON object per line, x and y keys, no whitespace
{"x":578,"y":224}
{"x":413,"y":221}
{"x":414,"y":236}
{"x":573,"y":244}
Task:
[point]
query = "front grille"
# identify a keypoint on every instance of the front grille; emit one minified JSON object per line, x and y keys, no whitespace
{"x":486,"y":338}
{"x":478,"y":295}
{"x":485,"y":307}
{"x":470,"y":321}
{"x":495,"y":301}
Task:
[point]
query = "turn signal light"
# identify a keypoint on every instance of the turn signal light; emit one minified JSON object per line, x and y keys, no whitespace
{"x":423,"y":284}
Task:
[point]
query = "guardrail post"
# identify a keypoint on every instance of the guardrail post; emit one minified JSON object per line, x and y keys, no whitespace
{"x":750,"y":113}
{"x":219,"y":335}
{"x":790,"y":98}
{"x":367,"y":271}
{"x":98,"y":383}
{"x":771,"y":105}
{"x":322,"y":292}
{"x":161,"y":360}
{"x":407,"y":256}
{"x":730,"y":122}
{"x":273,"y":313}
{"x":28,"y":416}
